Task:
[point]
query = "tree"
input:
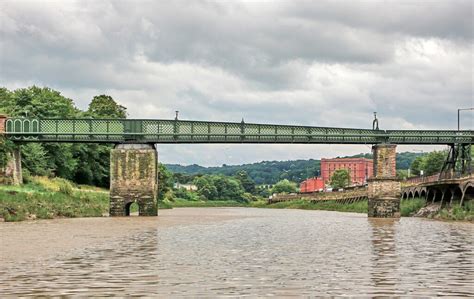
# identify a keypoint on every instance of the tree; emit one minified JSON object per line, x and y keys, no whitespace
{"x":416,"y":165}
{"x":430,"y":163}
{"x":42,"y":102}
{"x":247,"y":183}
{"x":284,"y":186}
{"x":433,"y":162}
{"x":340,"y":179}
{"x":105,"y":106}
{"x":165,"y":180}
{"x":34,"y":159}
{"x":206,"y":188}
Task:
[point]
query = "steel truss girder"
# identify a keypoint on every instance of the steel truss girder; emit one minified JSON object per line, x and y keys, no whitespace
{"x":183,"y":131}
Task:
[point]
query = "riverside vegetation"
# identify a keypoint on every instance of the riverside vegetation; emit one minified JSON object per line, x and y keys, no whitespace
{"x":46,"y":198}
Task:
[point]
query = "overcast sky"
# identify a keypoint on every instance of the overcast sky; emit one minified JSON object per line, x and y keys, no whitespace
{"x":321,"y":63}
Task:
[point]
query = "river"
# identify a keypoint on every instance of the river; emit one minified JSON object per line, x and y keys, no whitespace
{"x":207,"y":252}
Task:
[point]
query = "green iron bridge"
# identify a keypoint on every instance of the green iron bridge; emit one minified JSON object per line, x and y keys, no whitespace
{"x":185,"y":131}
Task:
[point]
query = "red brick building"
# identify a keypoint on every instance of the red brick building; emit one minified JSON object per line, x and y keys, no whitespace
{"x":360,"y":169}
{"x":312,"y":185}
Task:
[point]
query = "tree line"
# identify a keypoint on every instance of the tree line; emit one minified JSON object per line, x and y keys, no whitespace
{"x":271,"y":172}
{"x":81,"y":163}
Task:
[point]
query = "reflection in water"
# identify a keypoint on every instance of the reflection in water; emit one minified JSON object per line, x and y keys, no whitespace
{"x":262,"y":252}
{"x":384,"y":262}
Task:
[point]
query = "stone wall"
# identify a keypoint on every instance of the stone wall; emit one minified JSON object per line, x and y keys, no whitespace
{"x":133,"y":178}
{"x":11,"y":174}
{"x":385,"y":156}
{"x":384,"y":189}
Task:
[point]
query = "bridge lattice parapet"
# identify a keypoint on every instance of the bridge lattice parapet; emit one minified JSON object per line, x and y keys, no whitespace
{"x":184,"y":131}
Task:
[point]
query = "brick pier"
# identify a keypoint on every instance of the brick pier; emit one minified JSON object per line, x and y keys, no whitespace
{"x":384,"y":188}
{"x":133,"y":178}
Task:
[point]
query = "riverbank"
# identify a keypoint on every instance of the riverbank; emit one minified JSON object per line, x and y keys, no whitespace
{"x":408,"y":208}
{"x":44,"y":198}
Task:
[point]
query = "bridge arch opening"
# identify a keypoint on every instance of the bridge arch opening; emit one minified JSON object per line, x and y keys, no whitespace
{"x":468,"y":194}
{"x":457,"y":195}
{"x":438,"y":195}
{"x":131,"y":208}
{"x":417,"y":194}
{"x":423,"y":194}
{"x":431,"y":194}
{"x":447,"y":196}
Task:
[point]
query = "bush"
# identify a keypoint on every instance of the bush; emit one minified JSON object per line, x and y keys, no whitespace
{"x":64,"y":186}
{"x":53,"y":185}
{"x":284,"y":186}
{"x":185,"y":194}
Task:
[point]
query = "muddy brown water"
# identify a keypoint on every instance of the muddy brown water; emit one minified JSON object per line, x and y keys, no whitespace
{"x":206,"y":252}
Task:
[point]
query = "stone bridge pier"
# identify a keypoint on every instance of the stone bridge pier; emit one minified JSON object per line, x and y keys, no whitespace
{"x":133,"y":178}
{"x":384,"y":188}
{"x":10,"y":172}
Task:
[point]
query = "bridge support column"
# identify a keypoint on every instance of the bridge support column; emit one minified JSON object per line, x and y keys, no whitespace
{"x":10,"y":169}
{"x":11,"y":173}
{"x":384,"y":188}
{"x":133,"y":178}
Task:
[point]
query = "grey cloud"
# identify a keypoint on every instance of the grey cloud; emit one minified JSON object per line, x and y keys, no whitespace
{"x":326,"y":63}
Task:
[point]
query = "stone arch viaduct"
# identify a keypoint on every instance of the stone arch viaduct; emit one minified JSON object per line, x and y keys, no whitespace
{"x":446,"y":191}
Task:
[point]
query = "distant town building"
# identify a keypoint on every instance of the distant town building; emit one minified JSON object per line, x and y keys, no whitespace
{"x":188,"y":187}
{"x":312,"y":185}
{"x":360,"y":169}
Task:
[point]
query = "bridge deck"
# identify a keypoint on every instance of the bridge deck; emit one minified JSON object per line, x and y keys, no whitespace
{"x":179,"y":131}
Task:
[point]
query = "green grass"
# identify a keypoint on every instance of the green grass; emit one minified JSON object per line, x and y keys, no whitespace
{"x":357,"y":207}
{"x":181,"y":203}
{"x":411,"y":206}
{"x":31,"y":204}
{"x":455,"y":212}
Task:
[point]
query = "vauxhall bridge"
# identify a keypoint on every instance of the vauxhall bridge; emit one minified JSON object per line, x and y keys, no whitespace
{"x":134,"y":157}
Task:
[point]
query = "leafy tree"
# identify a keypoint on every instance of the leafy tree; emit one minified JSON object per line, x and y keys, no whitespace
{"x":42,"y":102}
{"x":340,"y":179}
{"x":433,"y":162}
{"x":165,"y":181}
{"x":37,"y":102}
{"x":105,"y":106}
{"x":430,"y":163}
{"x":34,"y":159}
{"x":228,"y":188}
{"x":94,"y":159}
{"x":247,"y":183}
{"x":416,"y":166}
{"x":219,"y":187}
{"x":206,"y":188}
{"x":284,"y":186}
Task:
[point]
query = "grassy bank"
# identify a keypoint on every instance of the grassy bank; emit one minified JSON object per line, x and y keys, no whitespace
{"x":411,"y":207}
{"x":182,"y":203}
{"x":45,"y":199}
{"x":357,"y":207}
{"x":455,"y":212}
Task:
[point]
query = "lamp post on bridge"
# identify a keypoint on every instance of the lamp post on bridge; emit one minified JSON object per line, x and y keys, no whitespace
{"x":459,"y":114}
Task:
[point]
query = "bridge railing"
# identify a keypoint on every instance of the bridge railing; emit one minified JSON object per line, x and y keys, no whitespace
{"x":421,"y":179}
{"x":182,"y":131}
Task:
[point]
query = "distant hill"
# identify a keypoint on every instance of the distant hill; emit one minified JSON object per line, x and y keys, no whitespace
{"x":270,"y":172}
